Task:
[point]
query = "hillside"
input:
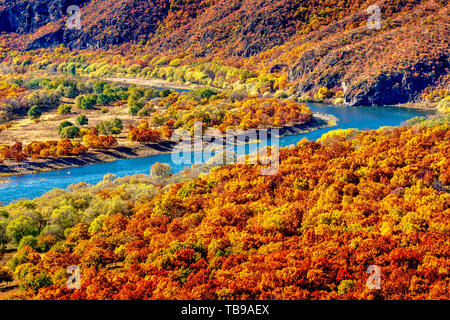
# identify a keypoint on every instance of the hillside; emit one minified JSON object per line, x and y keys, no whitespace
{"x":311,"y":43}
{"x":308,"y":232}
{"x":141,"y":75}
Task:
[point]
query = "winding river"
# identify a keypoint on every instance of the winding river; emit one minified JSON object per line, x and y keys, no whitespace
{"x":34,"y":185}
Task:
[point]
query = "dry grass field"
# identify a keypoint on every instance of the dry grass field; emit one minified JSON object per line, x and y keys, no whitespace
{"x":26,"y":130}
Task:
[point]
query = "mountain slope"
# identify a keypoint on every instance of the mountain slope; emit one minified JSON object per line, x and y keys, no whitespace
{"x":314,"y":44}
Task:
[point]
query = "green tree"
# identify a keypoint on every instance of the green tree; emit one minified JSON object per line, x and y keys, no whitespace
{"x":110,"y":127}
{"x":136,"y":93}
{"x":72,"y":69}
{"x":36,"y":282}
{"x":28,"y":241}
{"x":65,"y":217}
{"x":3,"y":236}
{"x":70,"y":132}
{"x":21,"y":227}
{"x":99,"y":86}
{"x":34,"y":112}
{"x":82,"y":120}
{"x":165,"y":93}
{"x":45,"y":98}
{"x":63,"y":125}
{"x":160,"y":171}
{"x":134,"y":106}
{"x":70,"y":92}
{"x":103,"y":99}
{"x":118,"y":123}
{"x":87,"y":101}
{"x":64,"y":109}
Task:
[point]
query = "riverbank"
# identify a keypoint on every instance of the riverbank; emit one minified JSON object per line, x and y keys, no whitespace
{"x":319,"y":121}
{"x":30,"y":166}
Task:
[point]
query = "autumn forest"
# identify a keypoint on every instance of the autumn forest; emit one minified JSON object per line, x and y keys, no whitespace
{"x":93,"y":205}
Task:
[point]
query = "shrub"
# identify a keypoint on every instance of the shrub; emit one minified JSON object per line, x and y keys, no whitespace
{"x":143,"y":133}
{"x":64,"y":109}
{"x":36,"y":282}
{"x":45,"y":242}
{"x":238,"y":95}
{"x":175,"y":62}
{"x":84,"y":131}
{"x":146,"y":111}
{"x":110,"y":127}
{"x":136,"y":93}
{"x":44,"y":98}
{"x":305,"y":98}
{"x":280,"y":94}
{"x":339,"y":101}
{"x":165,"y":93}
{"x":6,"y":275}
{"x":204,"y":93}
{"x":35,"y":112}
{"x":104,"y":99}
{"x":21,"y":227}
{"x":345,"y":286}
{"x":116,"y":130}
{"x":104,"y":110}
{"x":28,"y":241}
{"x":3,"y":236}
{"x":160,"y":170}
{"x":64,"y":124}
{"x":84,"y":102}
{"x":150,"y":94}
{"x":444,"y":105}
{"x":99,"y":86}
{"x":135,"y":106}
{"x":70,"y":132}
{"x":92,"y":141}
{"x":82,"y":120}
{"x":323,"y":93}
{"x":70,"y":92}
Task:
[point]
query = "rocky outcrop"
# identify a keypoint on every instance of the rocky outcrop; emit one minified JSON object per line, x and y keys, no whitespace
{"x":28,"y":16}
{"x":389,"y":66}
{"x":400,"y":87}
{"x":103,"y":22}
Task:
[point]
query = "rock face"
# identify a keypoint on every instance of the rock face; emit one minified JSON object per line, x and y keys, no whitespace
{"x":402,"y":86}
{"x":241,"y":27}
{"x":379,"y":67}
{"x":103,"y":22}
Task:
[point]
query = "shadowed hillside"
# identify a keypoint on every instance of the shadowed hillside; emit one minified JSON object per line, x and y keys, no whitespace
{"x":315,"y":44}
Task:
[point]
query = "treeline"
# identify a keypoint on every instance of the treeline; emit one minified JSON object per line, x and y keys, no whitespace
{"x":64,"y":147}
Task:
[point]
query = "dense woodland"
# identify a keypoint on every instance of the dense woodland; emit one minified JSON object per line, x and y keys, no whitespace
{"x":336,"y":206}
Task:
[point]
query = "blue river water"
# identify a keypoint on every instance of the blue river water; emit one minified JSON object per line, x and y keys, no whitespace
{"x":31,"y":186}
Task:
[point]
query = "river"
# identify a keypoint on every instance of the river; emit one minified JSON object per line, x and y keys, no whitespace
{"x":34,"y":185}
